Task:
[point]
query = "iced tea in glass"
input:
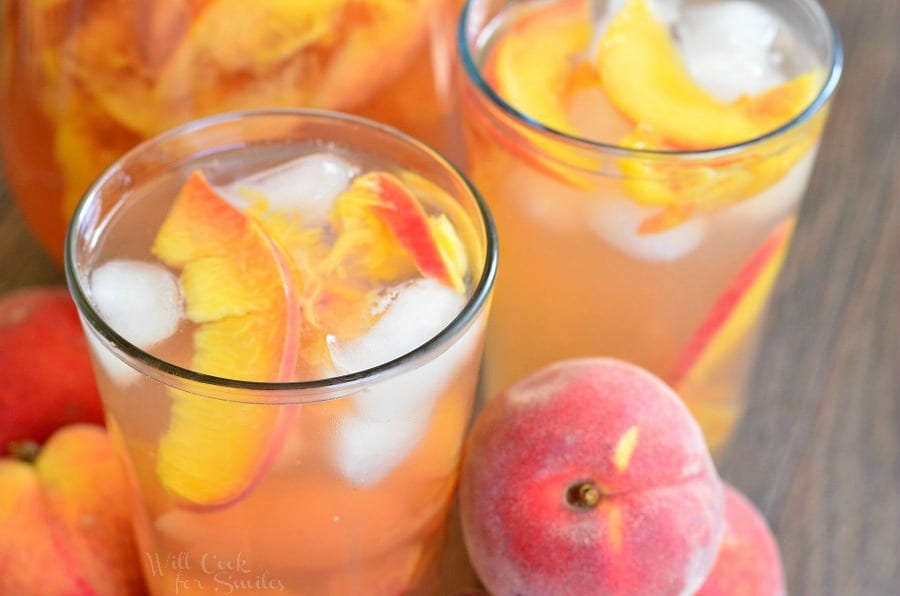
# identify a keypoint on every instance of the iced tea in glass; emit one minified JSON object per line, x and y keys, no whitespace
{"x":645,"y":161}
{"x":285,"y":311}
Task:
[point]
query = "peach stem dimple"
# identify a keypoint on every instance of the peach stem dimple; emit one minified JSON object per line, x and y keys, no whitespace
{"x":583,"y":495}
{"x":25,"y":451}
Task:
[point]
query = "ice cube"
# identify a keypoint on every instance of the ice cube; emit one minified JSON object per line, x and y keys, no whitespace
{"x":413,"y":313}
{"x":141,"y":301}
{"x":667,"y":11}
{"x":727,"y":47}
{"x":307,"y":186}
{"x":367,"y":451}
{"x":117,"y":370}
{"x":390,"y":417}
{"x":616,"y":221}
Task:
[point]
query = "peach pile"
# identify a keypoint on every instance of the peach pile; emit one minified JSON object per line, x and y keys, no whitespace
{"x":590,"y":476}
{"x":640,"y":83}
{"x":64,"y":521}
{"x":46,"y":380}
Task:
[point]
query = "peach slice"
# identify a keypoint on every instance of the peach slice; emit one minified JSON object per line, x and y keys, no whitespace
{"x":239,"y":288}
{"x":533,"y":69}
{"x":107,"y":62}
{"x":644,"y":77}
{"x":532,"y":66}
{"x":382,"y":221}
{"x":781,"y":104}
{"x":86,"y":141}
{"x":683,"y":187}
{"x":733,"y":317}
{"x":737,"y":309}
{"x":238,"y":55}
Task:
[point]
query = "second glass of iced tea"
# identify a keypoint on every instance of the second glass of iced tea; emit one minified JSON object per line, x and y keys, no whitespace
{"x":285,"y":311}
{"x":645,"y":161}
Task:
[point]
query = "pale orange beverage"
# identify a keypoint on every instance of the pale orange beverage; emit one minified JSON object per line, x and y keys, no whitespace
{"x":286,"y":312}
{"x":645,"y":161}
{"x":86,"y":80}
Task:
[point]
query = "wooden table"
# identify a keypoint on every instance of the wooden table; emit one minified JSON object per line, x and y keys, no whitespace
{"x":819,"y":449}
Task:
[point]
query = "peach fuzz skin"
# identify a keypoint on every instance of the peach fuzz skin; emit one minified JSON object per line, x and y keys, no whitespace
{"x":46,"y":379}
{"x":748,"y":563}
{"x":64,"y":520}
{"x":590,"y":476}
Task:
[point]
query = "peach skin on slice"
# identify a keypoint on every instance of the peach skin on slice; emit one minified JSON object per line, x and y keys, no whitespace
{"x":533,"y":69}
{"x":379,"y":214}
{"x":646,"y":79}
{"x":732,"y":318}
{"x":239,"y":288}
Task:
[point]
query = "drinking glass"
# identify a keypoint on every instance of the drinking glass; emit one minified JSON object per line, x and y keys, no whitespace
{"x":349,"y":484}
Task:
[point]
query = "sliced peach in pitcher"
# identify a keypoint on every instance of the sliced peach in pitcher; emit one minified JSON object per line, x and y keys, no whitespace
{"x":374,"y":43}
{"x":239,"y":54}
{"x":86,"y":141}
{"x":732,"y":318}
{"x":533,"y":68}
{"x":646,"y":79}
{"x":238,"y":287}
{"x":106,"y":60}
{"x":382,"y":223}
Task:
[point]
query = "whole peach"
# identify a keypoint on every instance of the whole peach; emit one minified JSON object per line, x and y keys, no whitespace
{"x":46,"y":379}
{"x":748,"y":563}
{"x":64,"y":522}
{"x":590,"y":477}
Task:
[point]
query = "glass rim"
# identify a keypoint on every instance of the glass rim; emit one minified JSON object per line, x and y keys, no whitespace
{"x":829,"y":85}
{"x":166,"y":372}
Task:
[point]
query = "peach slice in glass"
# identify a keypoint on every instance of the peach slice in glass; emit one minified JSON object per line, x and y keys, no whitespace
{"x":685,"y":187}
{"x":533,"y":69}
{"x":646,"y":79}
{"x":732,"y":318}
{"x":381,"y":222}
{"x":238,"y":287}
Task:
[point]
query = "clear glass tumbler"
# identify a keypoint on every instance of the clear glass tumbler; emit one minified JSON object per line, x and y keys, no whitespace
{"x":336,"y":477}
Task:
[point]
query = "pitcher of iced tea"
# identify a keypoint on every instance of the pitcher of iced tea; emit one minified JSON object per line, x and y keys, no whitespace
{"x":86,"y":80}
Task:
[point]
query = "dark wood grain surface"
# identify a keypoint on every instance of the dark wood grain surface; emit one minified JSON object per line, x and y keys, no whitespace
{"x":819,"y":448}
